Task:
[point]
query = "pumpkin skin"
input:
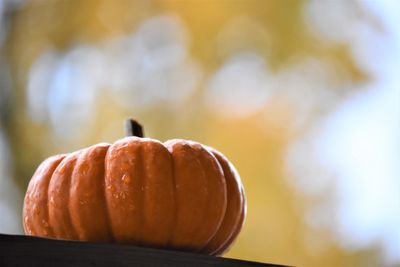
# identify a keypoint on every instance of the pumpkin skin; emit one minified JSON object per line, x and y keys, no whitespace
{"x":176,"y":195}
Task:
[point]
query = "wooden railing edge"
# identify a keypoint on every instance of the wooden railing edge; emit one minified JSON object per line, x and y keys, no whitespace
{"x":19,"y":250}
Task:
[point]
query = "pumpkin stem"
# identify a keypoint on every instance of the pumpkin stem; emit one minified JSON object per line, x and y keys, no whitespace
{"x":133,"y":128}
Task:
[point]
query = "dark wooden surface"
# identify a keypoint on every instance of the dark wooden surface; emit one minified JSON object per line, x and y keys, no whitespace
{"x":16,"y":250}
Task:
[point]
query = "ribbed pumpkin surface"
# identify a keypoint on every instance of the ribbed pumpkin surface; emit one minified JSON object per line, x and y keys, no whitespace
{"x":178,"y":195}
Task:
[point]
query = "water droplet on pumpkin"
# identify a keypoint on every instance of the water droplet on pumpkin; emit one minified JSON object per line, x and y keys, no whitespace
{"x":126,"y":179}
{"x":45,"y":224}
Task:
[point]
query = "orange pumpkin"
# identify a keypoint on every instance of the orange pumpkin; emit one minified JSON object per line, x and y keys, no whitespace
{"x":178,"y":195}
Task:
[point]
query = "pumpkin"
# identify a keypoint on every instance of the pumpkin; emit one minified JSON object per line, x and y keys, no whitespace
{"x":178,"y":195}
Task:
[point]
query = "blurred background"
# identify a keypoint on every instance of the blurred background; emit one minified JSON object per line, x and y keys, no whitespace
{"x":302,"y":96}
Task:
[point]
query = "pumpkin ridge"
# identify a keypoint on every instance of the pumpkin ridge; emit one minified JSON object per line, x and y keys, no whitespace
{"x":106,"y":204}
{"x":142,"y":164}
{"x":235,"y":233}
{"x":87,"y":203}
{"x":243,"y":213}
{"x":229,"y":228}
{"x":27,"y":220}
{"x":106,"y":210}
{"x":48,"y":186}
{"x":171,"y":237}
{"x":233,"y":182}
{"x":205,"y":178}
{"x":157,"y":194}
{"x":229,"y":242}
{"x":190,"y":196}
{"x":37,"y":223}
{"x":226,"y":207}
{"x":29,"y":226}
{"x":202,"y":151}
{"x":122,"y":186}
{"x":73,"y":228}
{"x":59,"y":193}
